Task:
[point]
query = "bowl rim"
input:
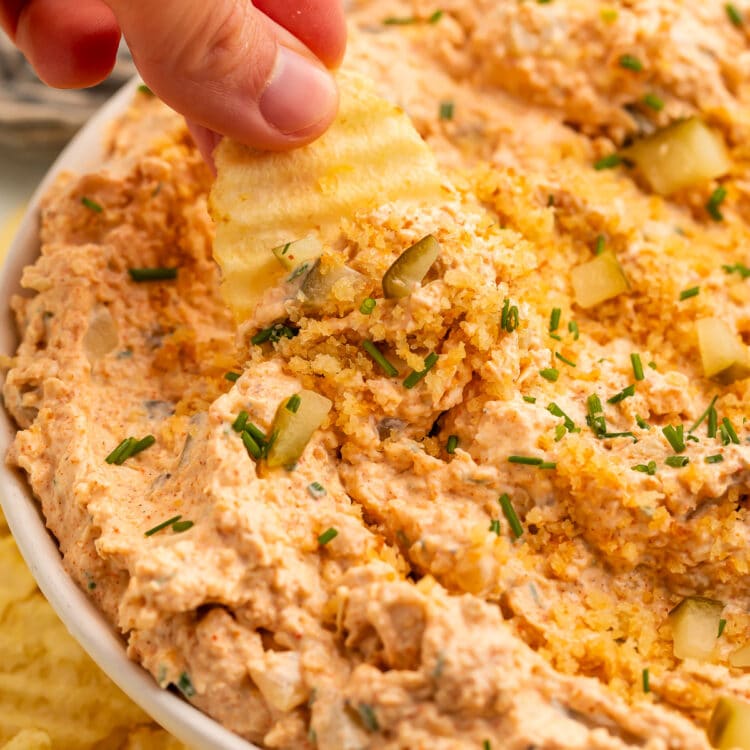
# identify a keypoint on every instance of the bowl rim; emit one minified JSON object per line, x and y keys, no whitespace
{"x":37,"y":546}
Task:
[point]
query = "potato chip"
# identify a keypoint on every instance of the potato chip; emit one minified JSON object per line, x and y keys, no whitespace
{"x":371,"y":155}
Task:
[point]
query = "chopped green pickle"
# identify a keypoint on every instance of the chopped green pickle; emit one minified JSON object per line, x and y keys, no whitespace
{"x":682,"y":155}
{"x":598,"y":280}
{"x":410,"y":268}
{"x":695,"y":627}
{"x":723,"y":354}
{"x":330,"y":278}
{"x":729,"y":726}
{"x":741,"y":657}
{"x":293,"y":429}
{"x":295,"y":254}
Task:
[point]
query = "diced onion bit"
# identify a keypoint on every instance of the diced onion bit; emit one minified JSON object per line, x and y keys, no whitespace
{"x":410,"y":268}
{"x":685,"y":154}
{"x":695,"y":627}
{"x":416,"y":375}
{"x":293,"y":429}
{"x":294,"y":255}
{"x":598,"y":280}
{"x":729,"y":726}
{"x":722,"y":352}
{"x":327,"y":536}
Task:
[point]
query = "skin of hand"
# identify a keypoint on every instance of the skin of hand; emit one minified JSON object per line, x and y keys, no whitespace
{"x":258,"y":72}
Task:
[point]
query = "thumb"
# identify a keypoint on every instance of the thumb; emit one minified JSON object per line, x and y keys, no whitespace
{"x":227,"y":67}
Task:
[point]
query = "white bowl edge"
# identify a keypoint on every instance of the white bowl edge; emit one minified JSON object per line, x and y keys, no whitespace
{"x":82,"y":619}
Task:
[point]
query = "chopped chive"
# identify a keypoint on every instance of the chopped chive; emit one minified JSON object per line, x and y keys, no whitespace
{"x":722,"y":625}
{"x":91,"y":205}
{"x":729,"y":427}
{"x":739,"y":268}
{"x":554,"y":319}
{"x":677,"y":462}
{"x":367,"y":306}
{"x":273,"y":334}
{"x":414,"y":377}
{"x":510,"y":515}
{"x":232,"y":377}
{"x":316,"y":490}
{"x":256,"y":433}
{"x":565,"y":360}
{"x":555,"y":410}
{"x":239,"y":423}
{"x":400,"y":21}
{"x":713,"y":419}
{"x":327,"y":536}
{"x":675,"y":436}
{"x":733,"y":14}
{"x":367,"y":715}
{"x":162,"y":525}
{"x":608,"y":162}
{"x":525,"y":460}
{"x":595,"y":418}
{"x":698,"y":422}
{"x":714,"y":203}
{"x":550,"y":201}
{"x":152,"y":274}
{"x":652,"y":101}
{"x":293,"y":403}
{"x":495,"y":526}
{"x":630,"y":62}
{"x":435,"y":17}
{"x":573,"y":328}
{"x":179,"y":526}
{"x":113,"y":458}
{"x":548,"y":465}
{"x":600,"y":244}
{"x":509,"y":319}
{"x":380,"y":359}
{"x":252,"y":448}
{"x":652,"y":365}
{"x":610,"y":435}
{"x":622,"y":395}
{"x":550,"y":373}
{"x":715,"y":459}
{"x":452,"y":444}
{"x":143,"y":89}
{"x":642,"y":423}
{"x":529,"y":399}
{"x":555,"y":337}
{"x":486,"y":745}
{"x":185,"y":686}
{"x":694,"y":291}
{"x":649,"y":468}
{"x":447,"y":110}
{"x":646,"y":683}
{"x":560,"y":432}
{"x":635,"y":360}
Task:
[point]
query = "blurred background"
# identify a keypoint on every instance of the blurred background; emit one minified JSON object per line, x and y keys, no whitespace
{"x":36,"y":122}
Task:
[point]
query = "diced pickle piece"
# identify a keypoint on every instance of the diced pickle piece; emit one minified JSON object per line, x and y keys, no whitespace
{"x":682,"y":155}
{"x":296,"y":420}
{"x":741,"y":657}
{"x":695,"y":627}
{"x":598,"y":280}
{"x":729,"y":726}
{"x":722,"y":353}
{"x":410,"y":268}
{"x":331,"y":280}
{"x":294,"y":255}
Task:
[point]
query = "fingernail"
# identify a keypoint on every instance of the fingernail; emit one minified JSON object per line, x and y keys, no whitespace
{"x":299,"y":94}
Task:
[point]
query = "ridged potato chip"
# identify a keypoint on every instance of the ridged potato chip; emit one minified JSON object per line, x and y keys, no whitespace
{"x":371,"y":155}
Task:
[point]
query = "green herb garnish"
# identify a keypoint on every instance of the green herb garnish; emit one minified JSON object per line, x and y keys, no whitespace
{"x":380,"y":359}
{"x":608,"y":162}
{"x":510,"y":515}
{"x":715,"y":201}
{"x":567,"y":361}
{"x":447,"y":110}
{"x":675,"y":436}
{"x":630,"y":62}
{"x":509,"y":320}
{"x":239,"y":423}
{"x":495,"y":526}
{"x":152,"y":274}
{"x":677,"y":462}
{"x":525,"y":460}
{"x":715,"y":459}
{"x":635,"y":360}
{"x":573,"y":328}
{"x":293,"y":403}
{"x":652,"y":101}
{"x":179,"y":526}
{"x":729,"y":427}
{"x":91,"y":205}
{"x":713,"y":419}
{"x":273,"y":334}
{"x":649,"y":468}
{"x":414,"y":377}
{"x":554,"y":319}
{"x":251,"y":446}
{"x":733,"y":14}
{"x":368,"y":718}
{"x":316,"y":490}
{"x":694,"y":291}
{"x":529,"y":399}
{"x":595,"y":418}
{"x":698,"y":422}
{"x":162,"y":525}
{"x":642,"y":423}
{"x":600,"y":245}
{"x":143,"y":89}
{"x":452,"y":444}
{"x":722,"y":625}
{"x":327,"y":536}
{"x":185,"y":685}
{"x":550,"y":373}
{"x":367,"y":306}
{"x":739,"y":268}
{"x":645,"y":680}
{"x":569,"y":424}
{"x":622,"y":395}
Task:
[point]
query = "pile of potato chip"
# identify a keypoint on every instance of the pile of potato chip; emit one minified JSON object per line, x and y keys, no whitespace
{"x":52,"y":696}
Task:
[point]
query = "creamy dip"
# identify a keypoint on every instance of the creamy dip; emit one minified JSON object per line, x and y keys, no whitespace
{"x":465,"y":600}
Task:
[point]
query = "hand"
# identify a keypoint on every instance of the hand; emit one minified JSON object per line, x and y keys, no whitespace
{"x":254,"y":71}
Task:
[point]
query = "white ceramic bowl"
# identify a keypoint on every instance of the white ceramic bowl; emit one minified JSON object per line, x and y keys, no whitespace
{"x":39,"y":549}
